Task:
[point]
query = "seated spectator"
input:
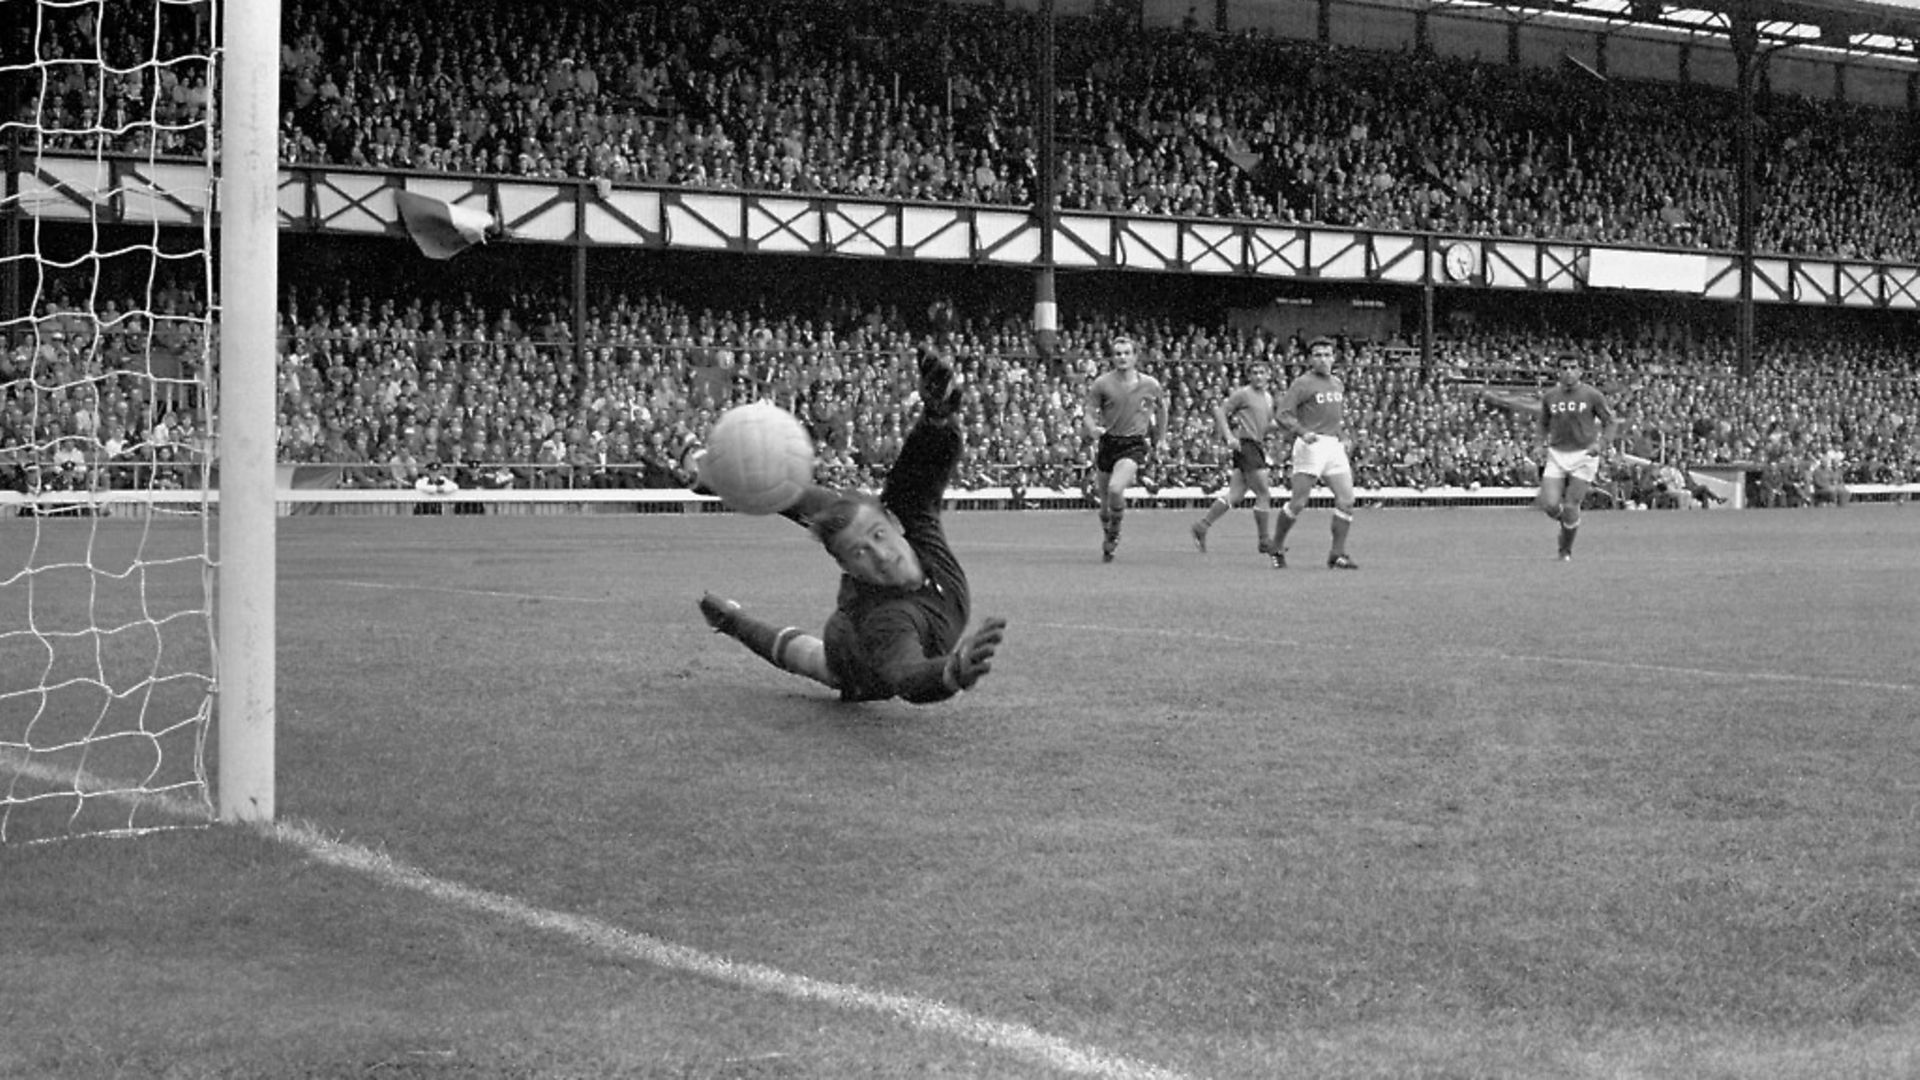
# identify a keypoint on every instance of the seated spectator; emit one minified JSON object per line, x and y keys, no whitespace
{"x":1675,"y":489}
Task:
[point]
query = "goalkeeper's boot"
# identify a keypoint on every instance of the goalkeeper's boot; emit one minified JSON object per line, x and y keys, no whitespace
{"x":1278,"y":556}
{"x":1341,"y":562}
{"x":721,"y":613}
{"x":939,"y":385}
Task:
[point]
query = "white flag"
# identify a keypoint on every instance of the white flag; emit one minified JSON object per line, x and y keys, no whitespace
{"x":442,"y":229}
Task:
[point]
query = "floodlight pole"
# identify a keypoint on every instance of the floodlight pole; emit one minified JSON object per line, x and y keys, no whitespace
{"x":1744,"y":34}
{"x":247,"y":203}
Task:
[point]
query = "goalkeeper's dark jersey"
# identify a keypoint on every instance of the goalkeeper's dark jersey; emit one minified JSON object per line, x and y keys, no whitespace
{"x":884,"y":643}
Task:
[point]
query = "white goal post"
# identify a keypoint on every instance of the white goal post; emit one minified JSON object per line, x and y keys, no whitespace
{"x":138,"y":360}
{"x":249,"y":373}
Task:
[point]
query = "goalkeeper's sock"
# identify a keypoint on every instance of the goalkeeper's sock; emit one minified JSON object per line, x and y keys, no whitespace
{"x":769,"y":642}
{"x":727,"y":617}
{"x":785,"y":647}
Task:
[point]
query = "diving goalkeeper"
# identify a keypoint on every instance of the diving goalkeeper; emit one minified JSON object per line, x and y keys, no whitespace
{"x":899,"y":627}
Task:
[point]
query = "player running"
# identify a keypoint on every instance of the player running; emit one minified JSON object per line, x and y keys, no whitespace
{"x":1575,"y":424}
{"x":1312,"y":411}
{"x":1245,"y":419}
{"x":1126,"y":411}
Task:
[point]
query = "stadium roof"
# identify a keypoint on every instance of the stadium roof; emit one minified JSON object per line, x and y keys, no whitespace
{"x":1883,"y":28}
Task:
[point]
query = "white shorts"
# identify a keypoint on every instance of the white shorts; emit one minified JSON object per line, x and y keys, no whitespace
{"x":1324,"y":456}
{"x":1579,"y":464}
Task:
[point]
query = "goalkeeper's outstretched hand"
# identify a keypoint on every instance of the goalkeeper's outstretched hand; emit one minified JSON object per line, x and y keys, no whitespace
{"x":939,"y":385}
{"x":974,"y":657}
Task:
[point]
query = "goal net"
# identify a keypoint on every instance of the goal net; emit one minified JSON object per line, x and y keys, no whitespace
{"x":110,"y":450}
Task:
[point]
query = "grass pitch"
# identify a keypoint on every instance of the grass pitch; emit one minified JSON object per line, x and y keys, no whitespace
{"x":1469,"y":812}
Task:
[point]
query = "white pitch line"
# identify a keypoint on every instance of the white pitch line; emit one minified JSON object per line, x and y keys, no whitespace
{"x":921,"y":1013}
{"x":1517,"y":658}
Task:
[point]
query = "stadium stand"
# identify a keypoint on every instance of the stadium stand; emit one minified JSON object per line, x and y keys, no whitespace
{"x":373,"y":391}
{"x":933,"y":103}
{"x":379,"y":380}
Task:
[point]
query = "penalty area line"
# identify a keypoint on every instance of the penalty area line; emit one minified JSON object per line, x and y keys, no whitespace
{"x":921,"y":1013}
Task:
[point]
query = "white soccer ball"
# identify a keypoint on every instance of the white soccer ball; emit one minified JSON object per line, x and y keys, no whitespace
{"x":759,"y":458}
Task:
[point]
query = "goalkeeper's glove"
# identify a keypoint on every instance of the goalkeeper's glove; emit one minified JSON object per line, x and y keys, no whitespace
{"x":974,"y":657}
{"x":939,"y":385}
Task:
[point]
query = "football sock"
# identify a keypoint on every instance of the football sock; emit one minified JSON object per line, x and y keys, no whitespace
{"x":1342,"y":522}
{"x":1215,"y":511}
{"x":785,"y":647}
{"x":766,"y":640}
{"x":1569,"y":528}
{"x":1282,"y":522}
{"x":1262,"y":526}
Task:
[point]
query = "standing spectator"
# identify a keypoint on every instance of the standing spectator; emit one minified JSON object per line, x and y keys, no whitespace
{"x":1127,"y":411}
{"x":72,"y":470}
{"x":1313,"y":411}
{"x":1575,"y":423}
{"x":1245,"y":420}
{"x":435,"y":483}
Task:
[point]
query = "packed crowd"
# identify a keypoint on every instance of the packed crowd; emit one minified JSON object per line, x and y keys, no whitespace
{"x":385,"y":389}
{"x":934,"y":102}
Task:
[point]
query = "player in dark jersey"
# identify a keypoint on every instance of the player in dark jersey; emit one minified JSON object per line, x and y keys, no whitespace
{"x":1126,"y":412}
{"x":1245,"y":419}
{"x":899,"y":625}
{"x":1575,"y":423}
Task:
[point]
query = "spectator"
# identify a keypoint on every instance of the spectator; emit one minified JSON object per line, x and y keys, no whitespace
{"x":1824,"y":479}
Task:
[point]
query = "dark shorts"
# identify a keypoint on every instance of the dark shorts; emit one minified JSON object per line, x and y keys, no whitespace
{"x":1117,"y":448}
{"x":852,"y":675}
{"x":1249,"y":457}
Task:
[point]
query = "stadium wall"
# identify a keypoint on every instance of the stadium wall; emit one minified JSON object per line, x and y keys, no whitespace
{"x":521,"y":502}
